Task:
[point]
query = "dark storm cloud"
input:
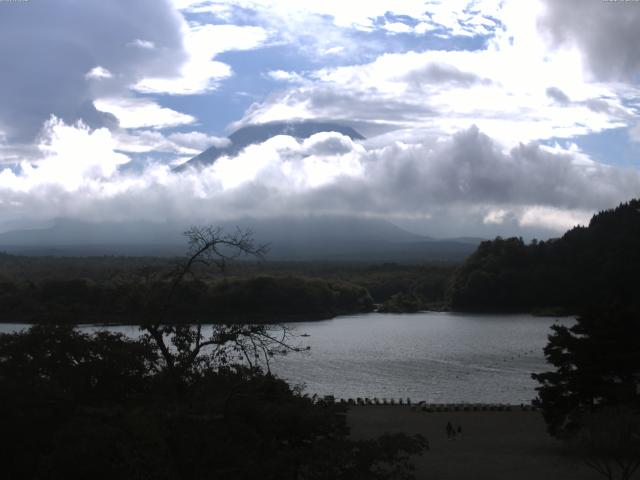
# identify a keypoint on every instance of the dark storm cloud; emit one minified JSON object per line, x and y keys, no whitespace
{"x":48,"y":47}
{"x":607,"y":32}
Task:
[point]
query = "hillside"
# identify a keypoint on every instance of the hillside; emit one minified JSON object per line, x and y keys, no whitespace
{"x":336,"y":238}
{"x":587,"y":265}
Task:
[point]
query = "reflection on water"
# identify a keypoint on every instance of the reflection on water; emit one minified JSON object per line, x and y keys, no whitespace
{"x":437,"y":357}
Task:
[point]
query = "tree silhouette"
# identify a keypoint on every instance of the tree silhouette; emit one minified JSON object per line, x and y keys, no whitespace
{"x":591,"y":398}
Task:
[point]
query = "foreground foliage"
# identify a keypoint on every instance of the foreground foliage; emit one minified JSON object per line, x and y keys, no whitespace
{"x":178,"y":402}
{"x":102,"y":406}
{"x":591,"y":399}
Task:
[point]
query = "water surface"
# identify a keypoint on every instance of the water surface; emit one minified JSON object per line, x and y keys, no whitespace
{"x":437,"y":357}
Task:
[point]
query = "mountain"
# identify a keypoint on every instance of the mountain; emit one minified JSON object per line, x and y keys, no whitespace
{"x":596,"y":264}
{"x":332,"y":238}
{"x":253,"y":134}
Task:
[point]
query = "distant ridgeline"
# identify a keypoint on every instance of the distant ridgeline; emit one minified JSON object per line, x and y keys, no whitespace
{"x":588,"y":265}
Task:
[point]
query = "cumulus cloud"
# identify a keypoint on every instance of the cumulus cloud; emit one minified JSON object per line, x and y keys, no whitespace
{"x":44,"y":66}
{"x":606,"y":33}
{"x":451,"y":185}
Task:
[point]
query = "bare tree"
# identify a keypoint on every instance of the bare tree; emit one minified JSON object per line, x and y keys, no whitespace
{"x":188,"y":348}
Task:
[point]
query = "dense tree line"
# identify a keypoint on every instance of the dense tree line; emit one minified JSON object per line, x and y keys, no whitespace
{"x":114,"y":289}
{"x":261,"y":298}
{"x":586,"y":265}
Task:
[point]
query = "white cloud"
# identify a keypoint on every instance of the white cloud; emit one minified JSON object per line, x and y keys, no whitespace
{"x":201,"y":72}
{"x":198,"y":140}
{"x":554,"y":218}
{"x":98,"y":73}
{"x":460,"y":184}
{"x":141,"y":113}
{"x":502,"y":89}
{"x":72,"y":156}
{"x":333,"y":50}
{"x":153,"y":141}
{"x":282,"y":76}
{"x":457,"y":16}
{"x":397,"y":27}
{"x":331,"y":27}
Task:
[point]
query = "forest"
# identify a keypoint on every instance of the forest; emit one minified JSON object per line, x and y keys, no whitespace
{"x":588,"y":265}
{"x":115,"y":289}
{"x":562,"y":276}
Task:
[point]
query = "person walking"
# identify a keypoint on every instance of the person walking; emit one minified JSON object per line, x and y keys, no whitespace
{"x":449,"y":430}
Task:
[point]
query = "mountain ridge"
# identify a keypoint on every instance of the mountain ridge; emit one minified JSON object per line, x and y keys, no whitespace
{"x":302,"y":238}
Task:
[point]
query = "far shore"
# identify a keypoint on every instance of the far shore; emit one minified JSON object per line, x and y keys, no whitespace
{"x":494,"y":445}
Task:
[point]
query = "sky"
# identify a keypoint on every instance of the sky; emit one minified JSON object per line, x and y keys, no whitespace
{"x":481,"y":118}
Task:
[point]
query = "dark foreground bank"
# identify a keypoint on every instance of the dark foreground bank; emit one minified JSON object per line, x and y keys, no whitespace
{"x":494,"y":445}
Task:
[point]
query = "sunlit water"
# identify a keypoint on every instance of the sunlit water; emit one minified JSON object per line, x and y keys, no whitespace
{"x":437,"y":357}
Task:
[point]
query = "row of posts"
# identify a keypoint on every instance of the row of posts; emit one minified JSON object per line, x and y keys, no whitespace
{"x":428,"y":407}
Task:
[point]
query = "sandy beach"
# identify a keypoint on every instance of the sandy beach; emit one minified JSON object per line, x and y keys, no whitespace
{"x":493,"y":445}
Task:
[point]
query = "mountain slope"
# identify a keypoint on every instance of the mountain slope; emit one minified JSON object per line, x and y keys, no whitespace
{"x":305,"y":238}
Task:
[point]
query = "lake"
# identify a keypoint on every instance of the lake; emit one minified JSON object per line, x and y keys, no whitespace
{"x":431,"y":356}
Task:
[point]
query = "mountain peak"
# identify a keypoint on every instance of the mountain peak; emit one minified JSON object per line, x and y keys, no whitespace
{"x":253,"y":134}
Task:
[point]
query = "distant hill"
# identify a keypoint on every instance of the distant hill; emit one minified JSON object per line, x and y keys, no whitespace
{"x":594,"y":264}
{"x":306,"y":238}
{"x":253,"y":134}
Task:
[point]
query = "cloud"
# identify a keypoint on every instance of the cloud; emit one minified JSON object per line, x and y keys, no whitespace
{"x":201,"y":73}
{"x":47,"y":48}
{"x":328,"y":143}
{"x":65,"y":161}
{"x":141,"y":113}
{"x":558,"y":95}
{"x":605,"y":32}
{"x":511,"y":95}
{"x":153,"y":141}
{"x":198,"y":140}
{"x":634,"y":132}
{"x":98,"y":73}
{"x":336,"y":28}
{"x":458,"y":17}
{"x":453,"y":185}
{"x":139,"y":43}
